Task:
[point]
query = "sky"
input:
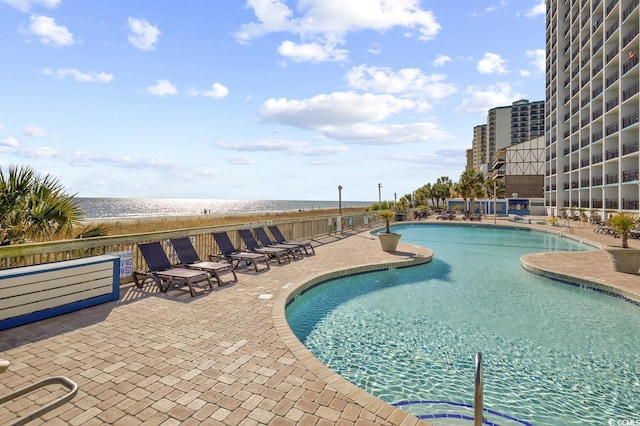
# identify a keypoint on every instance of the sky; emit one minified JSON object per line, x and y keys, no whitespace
{"x":258,"y":99}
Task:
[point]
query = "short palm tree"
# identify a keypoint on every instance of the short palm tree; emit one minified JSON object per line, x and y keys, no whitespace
{"x":34,"y":208}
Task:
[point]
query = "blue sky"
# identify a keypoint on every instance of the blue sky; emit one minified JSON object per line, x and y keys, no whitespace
{"x":263,"y":99}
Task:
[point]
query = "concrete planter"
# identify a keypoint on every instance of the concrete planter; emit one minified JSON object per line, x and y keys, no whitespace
{"x":389,"y":242}
{"x":626,"y":260}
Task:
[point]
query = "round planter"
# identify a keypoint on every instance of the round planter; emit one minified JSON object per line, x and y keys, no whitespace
{"x":625,"y":260}
{"x":389,"y":242}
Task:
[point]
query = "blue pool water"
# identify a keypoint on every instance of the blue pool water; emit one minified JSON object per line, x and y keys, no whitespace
{"x":554,"y":354}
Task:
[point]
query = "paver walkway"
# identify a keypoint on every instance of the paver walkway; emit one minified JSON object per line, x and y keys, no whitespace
{"x":226,"y":357}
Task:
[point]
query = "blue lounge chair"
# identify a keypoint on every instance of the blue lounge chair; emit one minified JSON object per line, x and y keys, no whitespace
{"x":235,"y":256}
{"x":281,"y":255}
{"x":163,"y":273}
{"x":189,"y":258}
{"x":294,"y":250}
{"x":277,"y":235}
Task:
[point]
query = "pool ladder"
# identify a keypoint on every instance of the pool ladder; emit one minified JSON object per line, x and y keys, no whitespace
{"x":477,"y":394}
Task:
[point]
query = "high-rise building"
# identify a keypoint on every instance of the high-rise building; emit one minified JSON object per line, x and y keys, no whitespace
{"x":513,"y":124}
{"x":498,"y":130}
{"x":592,"y":105}
{"x":479,"y":146}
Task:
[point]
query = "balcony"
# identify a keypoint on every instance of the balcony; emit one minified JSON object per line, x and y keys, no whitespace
{"x":611,"y":153}
{"x":632,"y":61}
{"x":595,"y":159}
{"x":630,"y":91}
{"x":630,"y":147}
{"x":630,"y":119}
{"x":611,"y":178}
{"x":611,"y":129}
{"x":630,"y":175}
{"x":630,"y":204}
{"x":611,"y":204}
{"x":596,"y":181}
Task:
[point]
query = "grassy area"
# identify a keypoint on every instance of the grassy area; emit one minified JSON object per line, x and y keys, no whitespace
{"x":126,"y":226}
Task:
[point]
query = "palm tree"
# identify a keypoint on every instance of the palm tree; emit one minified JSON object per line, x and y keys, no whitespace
{"x":34,"y":208}
{"x":442,"y":189}
{"x":470,"y":186}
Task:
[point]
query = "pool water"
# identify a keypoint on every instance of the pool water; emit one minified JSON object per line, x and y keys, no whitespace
{"x":553,"y":353}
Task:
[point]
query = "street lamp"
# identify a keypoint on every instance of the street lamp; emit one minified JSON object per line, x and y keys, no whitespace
{"x":494,"y":202}
{"x":339,"y":199}
{"x":380,"y":195}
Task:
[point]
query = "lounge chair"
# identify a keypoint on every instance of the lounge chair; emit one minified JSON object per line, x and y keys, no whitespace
{"x":277,"y":235}
{"x":163,"y":273}
{"x":472,"y":217}
{"x":189,"y":257}
{"x":294,"y":250}
{"x":446,"y":216}
{"x":252,"y":245}
{"x":235,"y":256}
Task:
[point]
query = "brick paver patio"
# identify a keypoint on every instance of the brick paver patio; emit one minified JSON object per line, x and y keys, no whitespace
{"x":226,"y":357}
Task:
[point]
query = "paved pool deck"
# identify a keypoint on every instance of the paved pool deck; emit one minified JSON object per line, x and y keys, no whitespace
{"x":227,"y":357}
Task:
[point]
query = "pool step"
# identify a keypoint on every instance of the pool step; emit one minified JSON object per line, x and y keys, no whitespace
{"x":454,"y":413}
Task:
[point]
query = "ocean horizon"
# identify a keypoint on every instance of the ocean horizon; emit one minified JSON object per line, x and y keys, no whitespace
{"x":95,"y":208}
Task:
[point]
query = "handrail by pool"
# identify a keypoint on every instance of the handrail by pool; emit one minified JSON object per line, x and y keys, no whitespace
{"x":477,"y":394}
{"x":69,"y":384}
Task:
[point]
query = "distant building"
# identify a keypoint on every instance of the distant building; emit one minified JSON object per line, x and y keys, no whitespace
{"x":510,"y":125}
{"x":592,"y":105}
{"x":479,"y":146}
{"x":521,"y":168}
{"x":469,"y":154}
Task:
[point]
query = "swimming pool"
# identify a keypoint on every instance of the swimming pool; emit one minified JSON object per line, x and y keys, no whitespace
{"x":554,"y":354}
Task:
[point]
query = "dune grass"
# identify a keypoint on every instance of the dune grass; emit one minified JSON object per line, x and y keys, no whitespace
{"x":141,"y":225}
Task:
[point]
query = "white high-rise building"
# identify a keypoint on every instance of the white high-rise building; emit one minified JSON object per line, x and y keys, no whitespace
{"x":592,"y":105}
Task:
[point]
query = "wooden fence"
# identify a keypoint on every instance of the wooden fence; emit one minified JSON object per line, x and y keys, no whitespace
{"x":125,"y":246}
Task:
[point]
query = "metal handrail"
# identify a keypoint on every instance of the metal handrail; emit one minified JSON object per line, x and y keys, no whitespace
{"x":477,"y":394}
{"x":70,"y":385}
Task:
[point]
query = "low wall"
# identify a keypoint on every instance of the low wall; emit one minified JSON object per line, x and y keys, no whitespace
{"x":32,"y":293}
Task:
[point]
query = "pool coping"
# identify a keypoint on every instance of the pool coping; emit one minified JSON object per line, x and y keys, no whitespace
{"x":300,"y":351}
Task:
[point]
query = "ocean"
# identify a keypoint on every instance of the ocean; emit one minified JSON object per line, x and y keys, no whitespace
{"x":153,"y":207}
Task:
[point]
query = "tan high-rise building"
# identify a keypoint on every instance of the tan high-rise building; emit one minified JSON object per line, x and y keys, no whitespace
{"x":592,"y":105}
{"x":479,"y":146}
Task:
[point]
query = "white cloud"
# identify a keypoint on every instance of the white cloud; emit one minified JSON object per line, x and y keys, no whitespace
{"x":144,"y":36}
{"x":280,"y":145}
{"x":338,"y":108}
{"x":312,"y":52}
{"x":353,"y":117}
{"x":1,"y":127}
{"x":324,"y":24}
{"x":375,"y":49}
{"x":390,"y":134}
{"x":49,"y":32}
{"x":162,"y":88}
{"x":482,"y":100}
{"x":35,"y":132}
{"x":240,"y":160}
{"x":441,"y":60}
{"x":79,"y":76}
{"x":25,"y":5}
{"x":538,"y":10}
{"x":218,"y":91}
{"x":408,"y":81}
{"x":492,"y":63}
{"x":10,"y":142}
{"x":537,"y":58}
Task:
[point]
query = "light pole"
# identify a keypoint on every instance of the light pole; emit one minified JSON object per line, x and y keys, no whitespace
{"x":494,"y":202}
{"x":380,"y":195}
{"x":339,"y":199}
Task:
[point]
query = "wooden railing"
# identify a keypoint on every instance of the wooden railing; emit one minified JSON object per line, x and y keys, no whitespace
{"x":293,"y":229}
